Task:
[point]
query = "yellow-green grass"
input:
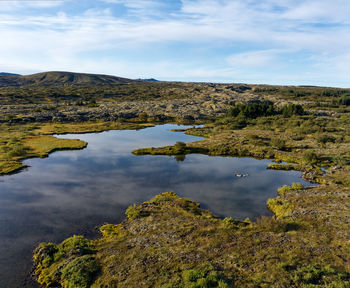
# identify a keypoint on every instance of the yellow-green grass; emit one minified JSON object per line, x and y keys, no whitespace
{"x":89,"y":127}
{"x":21,"y":141}
{"x":171,"y":242}
{"x":10,"y":166}
{"x":42,"y":145}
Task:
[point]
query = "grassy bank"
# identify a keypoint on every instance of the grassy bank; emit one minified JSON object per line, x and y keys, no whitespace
{"x":22,"y":141}
{"x":171,"y":242}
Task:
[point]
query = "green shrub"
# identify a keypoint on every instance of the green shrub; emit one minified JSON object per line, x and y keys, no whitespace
{"x":110,"y":230}
{"x":192,"y":275}
{"x":339,"y":160}
{"x":179,"y":147}
{"x":310,"y":275}
{"x":76,"y":245}
{"x":285,"y":167}
{"x":201,"y":279}
{"x":279,"y":144}
{"x":133,"y":212}
{"x":252,"y":110}
{"x":292,"y":109}
{"x":237,"y":123}
{"x":276,"y":225}
{"x":294,"y":187}
{"x":80,"y":272}
{"x":143,"y":116}
{"x":324,"y":138}
{"x":229,"y":223}
{"x":44,"y":254}
{"x":166,"y":196}
{"x":344,"y":100}
{"x":310,"y":157}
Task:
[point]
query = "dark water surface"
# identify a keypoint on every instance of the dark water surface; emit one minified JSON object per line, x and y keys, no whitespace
{"x":73,"y":192}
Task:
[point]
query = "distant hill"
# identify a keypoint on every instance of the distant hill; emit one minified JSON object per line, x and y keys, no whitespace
{"x":59,"y":79}
{"x":9,"y":74}
{"x":148,"y":80}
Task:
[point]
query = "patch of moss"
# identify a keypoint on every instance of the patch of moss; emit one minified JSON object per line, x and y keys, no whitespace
{"x":280,"y":207}
{"x":179,"y":148}
{"x":287,"y":189}
{"x":80,"y":272}
{"x":285,"y":167}
{"x":70,"y":263}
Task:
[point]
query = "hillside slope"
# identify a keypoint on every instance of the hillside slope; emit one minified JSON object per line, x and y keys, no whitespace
{"x":57,"y":78}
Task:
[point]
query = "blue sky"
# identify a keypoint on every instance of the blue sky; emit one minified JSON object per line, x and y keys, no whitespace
{"x":297,"y":42}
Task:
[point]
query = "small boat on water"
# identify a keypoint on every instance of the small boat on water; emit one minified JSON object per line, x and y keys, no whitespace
{"x":241,"y":175}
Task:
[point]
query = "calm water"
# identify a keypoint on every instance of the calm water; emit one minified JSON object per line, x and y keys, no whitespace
{"x":73,"y":192}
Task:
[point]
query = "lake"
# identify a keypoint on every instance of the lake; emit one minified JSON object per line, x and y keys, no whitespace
{"x":74,"y":192}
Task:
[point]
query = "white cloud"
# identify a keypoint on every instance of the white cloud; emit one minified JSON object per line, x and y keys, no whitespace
{"x":141,"y":8}
{"x":265,"y":32}
{"x":335,"y":11}
{"x":252,"y":58}
{"x":23,"y":4}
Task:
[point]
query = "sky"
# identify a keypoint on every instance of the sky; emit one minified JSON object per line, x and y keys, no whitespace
{"x":287,"y":42}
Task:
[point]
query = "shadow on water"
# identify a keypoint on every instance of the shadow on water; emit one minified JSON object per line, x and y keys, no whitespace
{"x":73,"y":192}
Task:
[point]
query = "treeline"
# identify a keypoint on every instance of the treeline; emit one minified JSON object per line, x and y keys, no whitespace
{"x":337,"y":96}
{"x":344,"y":100}
{"x":259,"y":109}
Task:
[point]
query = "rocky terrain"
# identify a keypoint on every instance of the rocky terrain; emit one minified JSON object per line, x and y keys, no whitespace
{"x":198,"y":101}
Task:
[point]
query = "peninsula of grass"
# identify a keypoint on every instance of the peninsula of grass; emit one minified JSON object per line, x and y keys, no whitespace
{"x":23,"y":141}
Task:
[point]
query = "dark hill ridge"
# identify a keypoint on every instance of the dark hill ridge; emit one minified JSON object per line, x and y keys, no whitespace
{"x":9,"y":74}
{"x":57,"y":78}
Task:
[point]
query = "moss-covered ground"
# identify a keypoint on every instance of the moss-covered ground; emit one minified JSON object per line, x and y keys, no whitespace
{"x":171,"y":242}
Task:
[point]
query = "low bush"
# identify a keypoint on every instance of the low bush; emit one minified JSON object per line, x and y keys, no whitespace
{"x":279,"y":144}
{"x":310,"y":276}
{"x":180,"y":147}
{"x":294,"y":187}
{"x":252,"y":110}
{"x":324,"y":138}
{"x":310,"y":157}
{"x":133,"y":212}
{"x":292,"y":109}
{"x":276,"y":225}
{"x":76,"y":245}
{"x":80,"y":272}
{"x":201,"y":279}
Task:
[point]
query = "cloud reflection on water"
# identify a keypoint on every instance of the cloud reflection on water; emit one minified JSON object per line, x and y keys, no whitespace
{"x":71,"y":192}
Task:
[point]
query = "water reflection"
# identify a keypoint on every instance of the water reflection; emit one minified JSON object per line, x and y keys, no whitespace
{"x":71,"y":192}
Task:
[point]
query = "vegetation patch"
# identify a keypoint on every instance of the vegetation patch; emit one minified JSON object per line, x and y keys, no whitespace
{"x":181,"y":245}
{"x":21,"y":141}
{"x":70,"y":264}
{"x":285,"y":167}
{"x":180,"y":148}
